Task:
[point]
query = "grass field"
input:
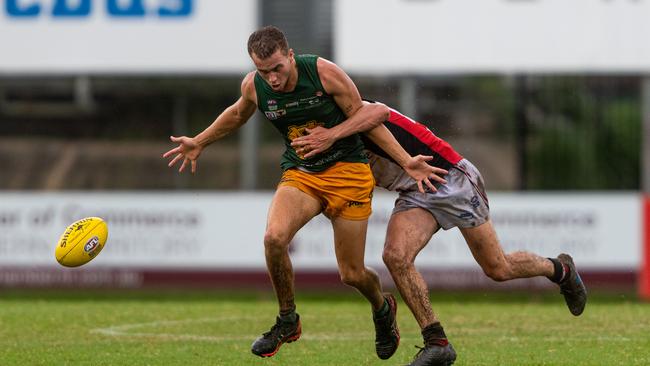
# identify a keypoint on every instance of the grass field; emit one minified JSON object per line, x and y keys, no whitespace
{"x":215,"y":328}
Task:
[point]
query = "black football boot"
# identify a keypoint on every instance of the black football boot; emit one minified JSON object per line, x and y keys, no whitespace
{"x":386,"y":330}
{"x":282,"y":332}
{"x":572,"y":287}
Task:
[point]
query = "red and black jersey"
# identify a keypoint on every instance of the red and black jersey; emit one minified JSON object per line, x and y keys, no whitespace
{"x":416,"y":139}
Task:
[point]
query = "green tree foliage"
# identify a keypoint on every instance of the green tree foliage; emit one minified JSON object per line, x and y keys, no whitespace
{"x":583,"y":136}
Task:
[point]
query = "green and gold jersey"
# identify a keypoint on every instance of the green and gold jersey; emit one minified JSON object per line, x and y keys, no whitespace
{"x":307,"y":106}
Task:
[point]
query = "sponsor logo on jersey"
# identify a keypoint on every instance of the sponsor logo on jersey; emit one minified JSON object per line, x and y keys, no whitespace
{"x":272,"y":115}
{"x":311,"y":100}
{"x":291,"y":105}
{"x":295,"y":131}
{"x":326,"y":160}
{"x":271,"y":102}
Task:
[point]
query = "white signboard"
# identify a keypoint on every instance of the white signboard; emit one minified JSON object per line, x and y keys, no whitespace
{"x":125,"y":36}
{"x":600,"y":230}
{"x":454,"y":36}
{"x":144,"y":230}
{"x":226,"y":230}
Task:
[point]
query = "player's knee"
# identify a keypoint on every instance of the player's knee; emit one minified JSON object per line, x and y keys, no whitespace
{"x":394,"y":258}
{"x":275,"y":241}
{"x":352,"y":277}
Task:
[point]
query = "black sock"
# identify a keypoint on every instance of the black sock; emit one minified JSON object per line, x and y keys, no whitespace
{"x":433,"y":334}
{"x":288,"y":315}
{"x":559,"y":271}
{"x":383,"y":310}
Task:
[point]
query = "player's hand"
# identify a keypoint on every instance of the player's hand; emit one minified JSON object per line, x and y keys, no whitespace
{"x":187,"y":150}
{"x":418,"y":168}
{"x":315,"y":141}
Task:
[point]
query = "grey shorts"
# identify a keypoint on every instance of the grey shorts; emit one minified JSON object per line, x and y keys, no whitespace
{"x":461,"y":202}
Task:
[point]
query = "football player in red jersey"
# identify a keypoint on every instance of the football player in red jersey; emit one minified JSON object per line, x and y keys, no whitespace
{"x":460,"y":202}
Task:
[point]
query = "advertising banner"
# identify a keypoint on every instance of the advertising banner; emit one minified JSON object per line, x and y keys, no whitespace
{"x":599,"y":230}
{"x":226,"y":230}
{"x":125,"y":36}
{"x":144,"y":230}
{"x":644,"y":273}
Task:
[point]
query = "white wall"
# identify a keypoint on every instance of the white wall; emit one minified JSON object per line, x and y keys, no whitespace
{"x":440,"y":36}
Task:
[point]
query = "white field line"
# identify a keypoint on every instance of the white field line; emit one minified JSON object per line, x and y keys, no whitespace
{"x":130,"y":330}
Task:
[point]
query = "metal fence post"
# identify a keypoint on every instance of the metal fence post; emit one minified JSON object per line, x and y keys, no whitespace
{"x":521,"y":122}
{"x":248,"y":153}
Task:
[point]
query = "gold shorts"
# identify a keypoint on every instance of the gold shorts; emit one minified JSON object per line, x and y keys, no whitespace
{"x":344,"y":189}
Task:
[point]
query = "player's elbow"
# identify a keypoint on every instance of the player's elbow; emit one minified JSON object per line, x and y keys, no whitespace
{"x":385,"y":111}
{"x":380,"y":113}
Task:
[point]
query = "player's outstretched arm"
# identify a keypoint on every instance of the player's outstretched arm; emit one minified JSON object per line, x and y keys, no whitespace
{"x":189,"y":148}
{"x":338,"y":84}
{"x":361,"y":116}
{"x":319,"y":139}
{"x":416,"y":166}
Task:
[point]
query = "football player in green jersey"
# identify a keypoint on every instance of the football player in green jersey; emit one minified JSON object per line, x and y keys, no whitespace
{"x":297,"y":92}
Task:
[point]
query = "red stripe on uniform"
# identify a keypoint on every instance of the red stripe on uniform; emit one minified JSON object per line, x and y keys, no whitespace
{"x":422,"y":133}
{"x":644,"y":281}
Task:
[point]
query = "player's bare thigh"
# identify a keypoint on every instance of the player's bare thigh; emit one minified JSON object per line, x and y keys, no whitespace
{"x":408,"y":232}
{"x":290,"y":210}
{"x":349,"y":243}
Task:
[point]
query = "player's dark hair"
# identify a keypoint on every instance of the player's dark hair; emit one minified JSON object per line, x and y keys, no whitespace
{"x":265,"y":41}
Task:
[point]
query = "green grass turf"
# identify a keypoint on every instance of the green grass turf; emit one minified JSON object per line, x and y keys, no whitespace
{"x":216,"y":328}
